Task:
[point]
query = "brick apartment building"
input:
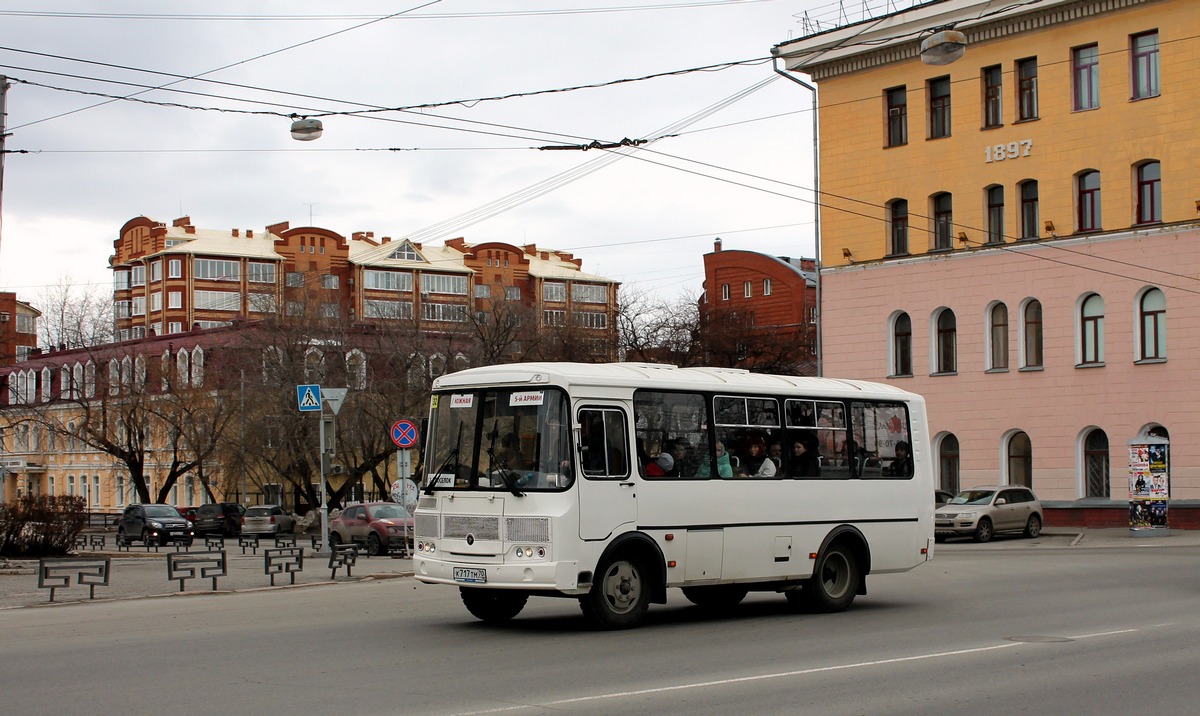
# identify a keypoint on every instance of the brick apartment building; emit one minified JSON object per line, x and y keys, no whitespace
{"x":18,"y":328}
{"x":170,"y":279}
{"x":759,"y":311}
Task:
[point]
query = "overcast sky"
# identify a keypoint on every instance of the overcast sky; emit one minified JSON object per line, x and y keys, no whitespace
{"x":740,"y":172}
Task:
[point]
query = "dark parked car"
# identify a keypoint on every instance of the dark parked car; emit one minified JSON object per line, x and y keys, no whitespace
{"x":152,"y":523}
{"x":219,"y":517}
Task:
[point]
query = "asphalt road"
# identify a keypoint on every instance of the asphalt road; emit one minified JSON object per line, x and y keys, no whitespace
{"x":1011,"y":627}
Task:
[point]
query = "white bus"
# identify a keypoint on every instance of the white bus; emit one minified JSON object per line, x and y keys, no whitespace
{"x":553,"y":479}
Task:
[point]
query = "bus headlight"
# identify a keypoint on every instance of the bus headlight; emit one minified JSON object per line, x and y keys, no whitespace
{"x":426,"y":547}
{"x":529,"y":552}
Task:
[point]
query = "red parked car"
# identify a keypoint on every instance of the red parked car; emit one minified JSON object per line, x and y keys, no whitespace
{"x":378,"y":525}
{"x":189,"y":513}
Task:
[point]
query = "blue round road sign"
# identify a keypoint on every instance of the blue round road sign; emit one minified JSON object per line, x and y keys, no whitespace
{"x":404,"y":433}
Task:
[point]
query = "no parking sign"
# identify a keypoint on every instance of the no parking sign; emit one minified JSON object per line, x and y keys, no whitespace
{"x":404,"y":434}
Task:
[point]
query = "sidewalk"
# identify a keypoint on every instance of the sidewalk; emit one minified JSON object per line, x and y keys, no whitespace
{"x":140,"y":573}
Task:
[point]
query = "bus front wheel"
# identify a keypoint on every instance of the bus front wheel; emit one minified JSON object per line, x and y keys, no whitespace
{"x":833,"y":584}
{"x":493,"y":605}
{"x":620,"y":595}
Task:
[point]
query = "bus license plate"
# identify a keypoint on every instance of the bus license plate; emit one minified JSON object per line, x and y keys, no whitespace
{"x":470,"y":574}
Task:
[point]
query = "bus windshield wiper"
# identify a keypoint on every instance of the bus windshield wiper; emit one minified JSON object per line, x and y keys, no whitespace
{"x":452,"y":456}
{"x":505,"y":473}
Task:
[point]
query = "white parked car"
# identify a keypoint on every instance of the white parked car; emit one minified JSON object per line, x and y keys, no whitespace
{"x":983,"y":511}
{"x":267,"y":520}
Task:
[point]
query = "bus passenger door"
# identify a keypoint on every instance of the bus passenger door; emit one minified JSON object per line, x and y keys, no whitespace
{"x":607,"y":493}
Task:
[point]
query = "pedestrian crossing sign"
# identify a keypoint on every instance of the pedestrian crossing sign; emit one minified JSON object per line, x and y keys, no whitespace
{"x":308,"y":397}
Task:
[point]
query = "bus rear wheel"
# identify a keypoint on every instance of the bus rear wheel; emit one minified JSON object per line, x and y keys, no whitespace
{"x":724,"y":596}
{"x":620,"y":595}
{"x":493,"y":605}
{"x":833,"y":584}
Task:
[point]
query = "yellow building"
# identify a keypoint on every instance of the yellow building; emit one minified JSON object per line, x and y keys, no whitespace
{"x":1014,"y":232}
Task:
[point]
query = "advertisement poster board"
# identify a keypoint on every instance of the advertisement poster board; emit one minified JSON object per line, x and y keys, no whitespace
{"x":1149,"y":485}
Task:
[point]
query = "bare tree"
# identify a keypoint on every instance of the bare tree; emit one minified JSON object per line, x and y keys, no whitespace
{"x":74,"y":315}
{"x":505,"y":331}
{"x":657,"y":330}
{"x":387,"y":371}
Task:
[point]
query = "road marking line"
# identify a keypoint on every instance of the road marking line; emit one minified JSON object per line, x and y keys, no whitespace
{"x":776,"y":675}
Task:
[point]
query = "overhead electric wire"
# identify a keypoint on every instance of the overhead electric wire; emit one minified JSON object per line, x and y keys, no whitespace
{"x":462,"y":221}
{"x":422,"y":16}
{"x":242,"y":62}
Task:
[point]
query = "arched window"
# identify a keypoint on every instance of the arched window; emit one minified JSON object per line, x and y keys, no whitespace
{"x":995,"y":215}
{"x":126,"y":372}
{"x":902,"y":345}
{"x":89,"y":380}
{"x":198,"y":367}
{"x":1096,"y":464}
{"x":1030,"y":229}
{"x":1091,"y":330}
{"x":1020,"y":460}
{"x":943,"y":219}
{"x":314,"y":366}
{"x":356,"y":369}
{"x":47,"y":378}
{"x":139,"y":372}
{"x":948,"y":464}
{"x":946,"y":347}
{"x":998,"y":337}
{"x":183,"y":367}
{"x":1152,"y":325}
{"x":437,"y":365}
{"x":272,"y":365}
{"x":1031,"y":335}
{"x":1087,"y":200}
{"x":167,"y":364}
{"x":114,"y":377}
{"x":1149,"y":193}
{"x":898,"y":227}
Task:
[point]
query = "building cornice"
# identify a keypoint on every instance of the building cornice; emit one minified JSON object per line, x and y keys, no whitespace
{"x":897,"y":37}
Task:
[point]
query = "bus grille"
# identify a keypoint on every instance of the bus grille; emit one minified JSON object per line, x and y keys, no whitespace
{"x":426,"y":526}
{"x":459,"y":526}
{"x":527,"y":529}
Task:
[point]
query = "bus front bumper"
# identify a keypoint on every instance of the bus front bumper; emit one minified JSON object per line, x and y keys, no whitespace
{"x":544,"y":576}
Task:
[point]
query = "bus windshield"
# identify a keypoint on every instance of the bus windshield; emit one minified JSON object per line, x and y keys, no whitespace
{"x":499,"y":439}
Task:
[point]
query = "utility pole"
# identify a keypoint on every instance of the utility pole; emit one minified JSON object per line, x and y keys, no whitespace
{"x":245,"y":499}
{"x":3,"y":135}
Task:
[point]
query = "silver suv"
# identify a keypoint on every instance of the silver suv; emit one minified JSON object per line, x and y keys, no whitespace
{"x":981,"y":512}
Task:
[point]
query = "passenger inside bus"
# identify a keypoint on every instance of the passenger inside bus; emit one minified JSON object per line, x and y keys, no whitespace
{"x":805,"y":462}
{"x":724,"y":466}
{"x":758,"y":463}
{"x":902,"y":466}
{"x":661,"y":466}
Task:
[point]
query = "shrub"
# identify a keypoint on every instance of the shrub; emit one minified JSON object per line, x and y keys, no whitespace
{"x":41,"y":526}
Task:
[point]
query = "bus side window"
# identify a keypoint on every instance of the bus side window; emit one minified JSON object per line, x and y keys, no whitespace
{"x":603,"y":443}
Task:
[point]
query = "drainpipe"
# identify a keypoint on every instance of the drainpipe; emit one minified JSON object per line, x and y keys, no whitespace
{"x":816,"y":203}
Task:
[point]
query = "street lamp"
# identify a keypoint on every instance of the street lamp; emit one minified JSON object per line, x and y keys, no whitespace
{"x":306,"y":130}
{"x":943,"y":47}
